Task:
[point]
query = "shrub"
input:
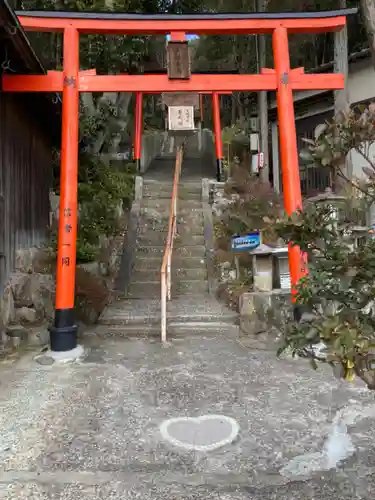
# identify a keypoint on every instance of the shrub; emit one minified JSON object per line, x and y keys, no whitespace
{"x":102,"y":189}
{"x":248,"y":205}
{"x":339,"y":289}
{"x":251,"y":205}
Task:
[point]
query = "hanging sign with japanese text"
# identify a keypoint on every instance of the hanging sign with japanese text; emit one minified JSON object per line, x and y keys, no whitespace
{"x":181,"y":118}
{"x":178,"y":57}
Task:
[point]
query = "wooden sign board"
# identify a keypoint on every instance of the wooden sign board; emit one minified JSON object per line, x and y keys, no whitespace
{"x":180,"y":118}
{"x":178,"y":60}
{"x":181,"y":99}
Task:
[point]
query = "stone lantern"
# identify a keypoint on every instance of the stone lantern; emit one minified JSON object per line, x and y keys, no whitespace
{"x":281,"y":273}
{"x":330,"y":199}
{"x":270,"y":268}
{"x":355,"y":233}
{"x":262,"y":268}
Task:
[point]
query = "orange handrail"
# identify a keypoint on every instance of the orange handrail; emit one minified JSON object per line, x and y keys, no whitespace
{"x":167,"y":259}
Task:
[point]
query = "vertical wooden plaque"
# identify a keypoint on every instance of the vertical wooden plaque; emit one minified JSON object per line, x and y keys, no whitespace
{"x":178,"y":60}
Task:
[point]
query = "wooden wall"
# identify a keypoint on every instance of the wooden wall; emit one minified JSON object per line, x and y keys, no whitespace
{"x":25,"y":175}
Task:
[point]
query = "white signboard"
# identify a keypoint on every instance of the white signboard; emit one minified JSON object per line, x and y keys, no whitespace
{"x":254,"y":142}
{"x":181,"y":117}
{"x":261,"y":160}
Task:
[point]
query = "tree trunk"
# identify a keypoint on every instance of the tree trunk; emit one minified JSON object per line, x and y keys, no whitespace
{"x":342,"y":101}
{"x":110,"y":140}
{"x":262,"y":101}
{"x":368,"y":12}
{"x":341,"y":64}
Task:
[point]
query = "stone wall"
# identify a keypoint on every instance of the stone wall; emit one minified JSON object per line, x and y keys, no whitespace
{"x":209,"y":237}
{"x":151,"y":148}
{"x":28,"y":299}
{"x":225,"y":269}
{"x":263,"y":317}
{"x":27,"y":304}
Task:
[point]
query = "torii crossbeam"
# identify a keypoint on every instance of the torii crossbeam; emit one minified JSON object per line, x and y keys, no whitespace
{"x":71,"y":81}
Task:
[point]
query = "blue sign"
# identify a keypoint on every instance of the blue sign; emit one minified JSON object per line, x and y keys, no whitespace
{"x":188,"y":37}
{"x":246,"y":242}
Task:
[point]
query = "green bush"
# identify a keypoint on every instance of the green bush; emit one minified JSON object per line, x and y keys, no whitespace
{"x":101,"y":189}
{"x":249,"y":205}
{"x":340,"y":286}
{"x":252,"y":206}
{"x":338,"y":291}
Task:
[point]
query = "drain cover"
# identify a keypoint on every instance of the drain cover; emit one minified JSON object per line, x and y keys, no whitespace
{"x":204,"y":433}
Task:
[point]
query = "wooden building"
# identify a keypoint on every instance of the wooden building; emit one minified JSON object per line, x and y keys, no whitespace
{"x":29,"y":130}
{"x":313,"y":108}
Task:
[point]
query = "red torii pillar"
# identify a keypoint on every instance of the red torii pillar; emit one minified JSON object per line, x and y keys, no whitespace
{"x":63,"y":335}
{"x":201,"y":110}
{"x":138,"y":129}
{"x":288,"y":143}
{"x":70,"y":82}
{"x":217,"y":134}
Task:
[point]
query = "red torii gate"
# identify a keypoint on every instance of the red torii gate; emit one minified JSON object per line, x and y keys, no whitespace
{"x":138,"y":126}
{"x":71,"y":81}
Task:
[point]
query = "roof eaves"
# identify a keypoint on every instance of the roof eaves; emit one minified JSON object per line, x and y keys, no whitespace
{"x":21,"y":41}
{"x":29,"y":63}
{"x":121,"y":16}
{"x":355,"y":56}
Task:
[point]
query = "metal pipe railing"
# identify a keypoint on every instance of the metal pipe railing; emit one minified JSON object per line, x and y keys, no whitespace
{"x":167,"y":259}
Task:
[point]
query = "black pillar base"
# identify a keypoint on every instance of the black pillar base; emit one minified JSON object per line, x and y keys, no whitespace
{"x":138,"y":163}
{"x":219,"y":169}
{"x":63,"y":334}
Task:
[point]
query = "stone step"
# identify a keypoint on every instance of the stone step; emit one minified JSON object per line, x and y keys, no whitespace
{"x":185,"y":238}
{"x":159,"y":213}
{"x":174,"y":329}
{"x":184,"y":230}
{"x":141,"y":275}
{"x":162,"y":227}
{"x":192,"y":187}
{"x":161,"y":192}
{"x":154,"y":183}
{"x":163,"y":195}
{"x":144,"y":263}
{"x":156,"y":219}
{"x":185,"y":309}
{"x":151,"y":289}
{"x":164,"y":204}
{"x":158,"y":238}
{"x":184,"y":252}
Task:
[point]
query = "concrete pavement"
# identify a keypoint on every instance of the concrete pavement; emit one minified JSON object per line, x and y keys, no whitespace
{"x":91,"y":430}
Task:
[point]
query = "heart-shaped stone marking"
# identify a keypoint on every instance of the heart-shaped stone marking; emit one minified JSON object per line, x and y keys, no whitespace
{"x":205,"y":433}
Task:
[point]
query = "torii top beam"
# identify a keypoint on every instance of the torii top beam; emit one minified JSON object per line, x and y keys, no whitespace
{"x":162,"y":24}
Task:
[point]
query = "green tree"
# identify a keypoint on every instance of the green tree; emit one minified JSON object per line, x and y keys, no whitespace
{"x":339,"y":289}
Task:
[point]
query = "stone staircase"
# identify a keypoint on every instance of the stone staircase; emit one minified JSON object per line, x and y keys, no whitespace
{"x":137,"y":310}
{"x":188,"y":265}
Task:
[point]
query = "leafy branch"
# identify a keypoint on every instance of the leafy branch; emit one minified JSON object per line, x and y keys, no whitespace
{"x":339,"y":289}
